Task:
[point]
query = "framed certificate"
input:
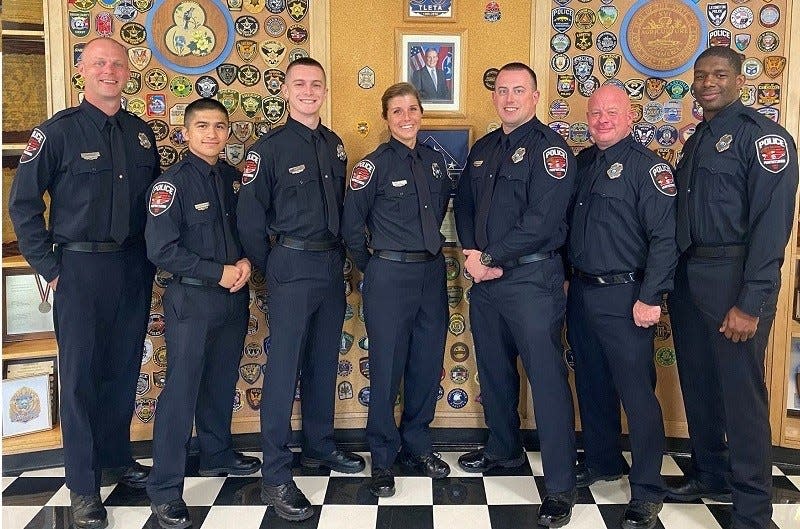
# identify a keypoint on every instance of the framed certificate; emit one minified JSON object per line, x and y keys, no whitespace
{"x":26,"y":405}
{"x":27,"y":305}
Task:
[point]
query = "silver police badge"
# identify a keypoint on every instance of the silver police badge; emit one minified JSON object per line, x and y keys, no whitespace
{"x":518,"y":155}
{"x":615,"y":171}
{"x":340,"y":152}
{"x":724,"y":142}
{"x":144,"y":141}
{"x":437,"y":172}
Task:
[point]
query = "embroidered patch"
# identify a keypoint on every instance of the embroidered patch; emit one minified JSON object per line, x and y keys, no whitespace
{"x":773,"y":154}
{"x":161,"y":198}
{"x":362,"y":174}
{"x":251,"y":166}
{"x":555,"y":162}
{"x":662,"y":178}
{"x":34,"y":146}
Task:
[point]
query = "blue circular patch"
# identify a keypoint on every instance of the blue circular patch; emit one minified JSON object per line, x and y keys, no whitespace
{"x":363,"y":396}
{"x":457,"y":398}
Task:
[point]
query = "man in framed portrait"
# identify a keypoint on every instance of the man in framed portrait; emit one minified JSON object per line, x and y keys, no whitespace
{"x":430,"y":79}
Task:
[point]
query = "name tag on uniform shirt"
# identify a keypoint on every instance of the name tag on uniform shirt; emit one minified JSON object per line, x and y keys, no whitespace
{"x":477,"y":163}
{"x":297,"y":169}
{"x":202,"y":206}
{"x":90,"y":155}
{"x":399,"y":183}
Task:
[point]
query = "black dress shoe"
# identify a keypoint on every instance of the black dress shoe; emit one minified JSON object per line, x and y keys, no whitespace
{"x":430,"y":464}
{"x":641,"y":515}
{"x":88,"y":511}
{"x":556,"y":509}
{"x":692,"y":489}
{"x":288,"y":501}
{"x":338,"y":460}
{"x":585,"y":476}
{"x":135,"y":476}
{"x":241,"y":465}
{"x":478,"y":461}
{"x":172,"y":515}
{"x":382,"y":483}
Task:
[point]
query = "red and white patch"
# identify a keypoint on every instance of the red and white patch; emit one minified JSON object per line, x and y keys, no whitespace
{"x":362,"y":174}
{"x":773,"y":153}
{"x":161,"y":198}
{"x":251,"y":167}
{"x":663,"y":179}
{"x":34,"y":146}
{"x":555,"y":162}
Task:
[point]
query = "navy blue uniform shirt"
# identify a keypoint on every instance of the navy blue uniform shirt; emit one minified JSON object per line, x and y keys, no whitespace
{"x":623,"y":216}
{"x":69,"y":156}
{"x":185,"y":232}
{"x":535,"y":179}
{"x":742,"y":193}
{"x":282,"y":191}
{"x":383,"y":197}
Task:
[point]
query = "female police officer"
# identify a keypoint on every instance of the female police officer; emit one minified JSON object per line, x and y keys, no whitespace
{"x":399,"y":193}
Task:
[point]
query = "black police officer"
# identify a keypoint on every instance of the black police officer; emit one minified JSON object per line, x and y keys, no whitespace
{"x":623,"y":253}
{"x":736,"y":188}
{"x":400,"y":194}
{"x":191,"y":233}
{"x":96,"y":162}
{"x":511,"y":219}
{"x":293,"y":188}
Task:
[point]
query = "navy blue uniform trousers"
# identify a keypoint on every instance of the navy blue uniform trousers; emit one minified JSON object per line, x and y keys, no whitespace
{"x":205,"y":330}
{"x":521,"y":314}
{"x":101,"y":306}
{"x":723,"y":386}
{"x":405,"y":309}
{"x":613,"y":361}
{"x":306,"y":304}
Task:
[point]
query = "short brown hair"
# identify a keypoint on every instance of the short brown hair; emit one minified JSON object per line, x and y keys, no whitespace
{"x":305,"y":61}
{"x":519,"y":67}
{"x":398,"y":89}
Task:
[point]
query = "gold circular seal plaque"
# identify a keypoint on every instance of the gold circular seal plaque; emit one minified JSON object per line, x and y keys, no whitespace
{"x":662,"y":37}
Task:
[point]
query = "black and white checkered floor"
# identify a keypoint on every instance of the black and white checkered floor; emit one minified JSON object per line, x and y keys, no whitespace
{"x":496,"y":500}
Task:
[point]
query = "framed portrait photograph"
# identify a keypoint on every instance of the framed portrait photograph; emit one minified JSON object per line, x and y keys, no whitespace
{"x":432,"y":62}
{"x":26,"y":405}
{"x":428,"y":11}
{"x":27,"y":305}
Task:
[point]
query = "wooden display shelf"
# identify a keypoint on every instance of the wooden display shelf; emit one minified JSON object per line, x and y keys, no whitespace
{"x":33,"y":442}
{"x":30,"y":349}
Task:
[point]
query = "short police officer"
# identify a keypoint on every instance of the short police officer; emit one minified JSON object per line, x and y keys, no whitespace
{"x":191,"y":233}
{"x":623,"y":254}
{"x":96,"y":162}
{"x":293,"y":188}
{"x":736,"y":187}
{"x":511,"y":219}
{"x":400,"y":193}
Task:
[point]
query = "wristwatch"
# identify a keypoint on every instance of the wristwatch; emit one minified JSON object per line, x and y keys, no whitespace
{"x":486,"y":259}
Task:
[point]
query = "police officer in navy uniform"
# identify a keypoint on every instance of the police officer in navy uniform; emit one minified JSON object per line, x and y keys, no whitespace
{"x":511,"y":218}
{"x":293,"y":189}
{"x":96,"y":162}
{"x":623,"y":255}
{"x":191,"y":233}
{"x":400,"y":194}
{"x":736,"y":195}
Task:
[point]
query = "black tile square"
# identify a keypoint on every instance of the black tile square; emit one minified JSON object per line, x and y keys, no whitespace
{"x":784,"y":491}
{"x":404,"y":517}
{"x":197,"y":514}
{"x":789,"y":470}
{"x":240,"y":491}
{"x":53,"y":518}
{"x":349,"y":491}
{"x":513,"y":516}
{"x":459,"y":491}
{"x":31,"y":491}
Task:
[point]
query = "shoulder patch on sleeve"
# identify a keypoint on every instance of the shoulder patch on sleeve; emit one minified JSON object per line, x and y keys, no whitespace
{"x":555,"y":162}
{"x":362,"y":174}
{"x":772,"y":151}
{"x":661,"y":174}
{"x":161,"y":198}
{"x":251,"y":166}
{"x":34,"y":146}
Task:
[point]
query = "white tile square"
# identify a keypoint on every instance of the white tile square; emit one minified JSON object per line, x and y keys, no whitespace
{"x":795,"y":480}
{"x":618,"y":491}
{"x":461,"y":516}
{"x":8,"y":481}
{"x":348,"y":517}
{"x":669,"y":467}
{"x":776,"y":471}
{"x":57,"y":472}
{"x":585,"y":516}
{"x":687,"y":516}
{"x":313,"y":487}
{"x":60,"y":498}
{"x":105,"y":492}
{"x":238,"y":516}
{"x":364,"y":473}
{"x":127,"y":517}
{"x":451,"y":458}
{"x":410,"y":491}
{"x":201,"y":491}
{"x":786,"y":516}
{"x":18,"y":517}
{"x":147,"y":461}
{"x":511,"y":490}
{"x":535,"y":460}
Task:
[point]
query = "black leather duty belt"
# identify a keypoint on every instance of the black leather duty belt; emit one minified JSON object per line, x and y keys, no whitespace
{"x":404,"y":257}
{"x":312,"y":246}
{"x":94,"y":247}
{"x":198,"y":282}
{"x":610,"y":279}
{"x":738,"y":250}
{"x":525,"y":259}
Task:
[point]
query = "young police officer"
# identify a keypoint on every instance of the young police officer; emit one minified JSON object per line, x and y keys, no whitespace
{"x":293,"y":187}
{"x":191,"y":232}
{"x":96,"y":162}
